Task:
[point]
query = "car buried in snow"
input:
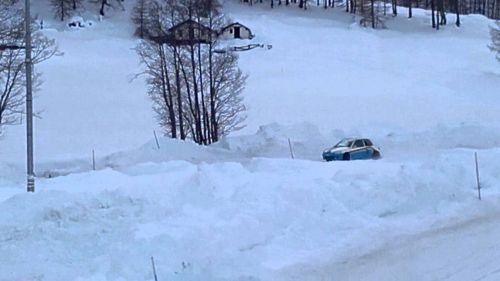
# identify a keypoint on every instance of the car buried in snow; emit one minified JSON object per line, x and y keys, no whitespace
{"x":352,"y":149}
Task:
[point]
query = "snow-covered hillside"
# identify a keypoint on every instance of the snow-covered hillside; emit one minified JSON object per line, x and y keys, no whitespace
{"x":242,"y":209}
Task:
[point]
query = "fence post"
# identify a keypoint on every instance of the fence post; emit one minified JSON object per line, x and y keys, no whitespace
{"x":291,"y":149}
{"x":154,"y":268}
{"x":156,"y":139}
{"x":477,"y":177}
{"x":93,"y":160}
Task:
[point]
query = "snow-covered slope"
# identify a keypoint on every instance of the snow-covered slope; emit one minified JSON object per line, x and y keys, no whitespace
{"x":339,"y":75}
{"x":242,"y":209}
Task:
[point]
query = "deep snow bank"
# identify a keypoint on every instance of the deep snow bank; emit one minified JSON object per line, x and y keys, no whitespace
{"x":227,"y":214}
{"x":272,"y":141}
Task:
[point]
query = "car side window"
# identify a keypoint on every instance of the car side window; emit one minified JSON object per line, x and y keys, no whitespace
{"x":358,"y":143}
{"x":368,"y":142}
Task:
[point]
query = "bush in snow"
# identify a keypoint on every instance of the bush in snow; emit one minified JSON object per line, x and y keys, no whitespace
{"x":79,"y":22}
{"x":495,"y":39}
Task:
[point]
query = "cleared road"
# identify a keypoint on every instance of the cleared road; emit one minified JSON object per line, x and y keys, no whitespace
{"x":467,"y":251}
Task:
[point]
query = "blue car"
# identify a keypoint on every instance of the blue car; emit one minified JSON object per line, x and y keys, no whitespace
{"x":352,"y":149}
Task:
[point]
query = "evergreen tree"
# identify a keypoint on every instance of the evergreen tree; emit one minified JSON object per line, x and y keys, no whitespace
{"x":140,"y":17}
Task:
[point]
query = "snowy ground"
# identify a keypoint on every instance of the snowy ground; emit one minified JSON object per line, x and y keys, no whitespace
{"x":242,"y":209}
{"x":464,"y":251}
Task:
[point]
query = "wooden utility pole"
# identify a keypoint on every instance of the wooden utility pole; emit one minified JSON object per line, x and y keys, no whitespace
{"x":29,"y":99}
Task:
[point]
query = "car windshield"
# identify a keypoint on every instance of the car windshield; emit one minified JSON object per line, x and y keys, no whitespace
{"x":344,"y":143}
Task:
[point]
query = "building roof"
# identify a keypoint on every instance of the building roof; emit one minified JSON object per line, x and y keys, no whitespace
{"x":234,"y":24}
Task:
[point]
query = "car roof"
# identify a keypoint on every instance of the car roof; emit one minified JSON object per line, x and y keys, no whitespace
{"x":350,"y":139}
{"x":355,"y":139}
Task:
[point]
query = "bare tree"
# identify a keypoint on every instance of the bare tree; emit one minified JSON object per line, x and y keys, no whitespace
{"x":12,"y":65}
{"x":106,"y":3}
{"x":196,"y":91}
{"x":229,"y":83}
{"x":160,"y":87}
{"x":65,"y":8}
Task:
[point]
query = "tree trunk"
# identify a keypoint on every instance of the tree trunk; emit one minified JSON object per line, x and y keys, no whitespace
{"x":190,"y":101}
{"x":213,"y":113}
{"x":62,"y":11}
{"x":167,"y":91}
{"x":437,"y":17}
{"x":372,"y":12}
{"x":103,"y":3}
{"x":179,"y":96}
{"x":203,"y":120}
{"x":196,"y":96}
{"x":432,"y":14}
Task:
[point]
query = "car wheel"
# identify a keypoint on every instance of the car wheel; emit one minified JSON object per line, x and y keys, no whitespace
{"x":376,"y":155}
{"x":346,"y":156}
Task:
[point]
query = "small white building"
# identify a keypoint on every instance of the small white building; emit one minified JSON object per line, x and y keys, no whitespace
{"x":236,"y":31}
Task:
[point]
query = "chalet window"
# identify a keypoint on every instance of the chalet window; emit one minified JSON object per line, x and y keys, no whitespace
{"x":231,"y":31}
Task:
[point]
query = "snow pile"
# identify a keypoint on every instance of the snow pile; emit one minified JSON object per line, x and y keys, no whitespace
{"x":78,"y":22}
{"x":271,"y":140}
{"x":228,"y":220}
{"x":233,"y":213}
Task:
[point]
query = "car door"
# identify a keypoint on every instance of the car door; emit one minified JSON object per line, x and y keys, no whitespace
{"x":358,"y":150}
{"x":368,"y":149}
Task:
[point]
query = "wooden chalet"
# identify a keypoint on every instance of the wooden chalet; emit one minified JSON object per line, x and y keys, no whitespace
{"x":190,"y":32}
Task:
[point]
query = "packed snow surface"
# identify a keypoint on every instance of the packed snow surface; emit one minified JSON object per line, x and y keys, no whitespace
{"x":242,"y":209}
